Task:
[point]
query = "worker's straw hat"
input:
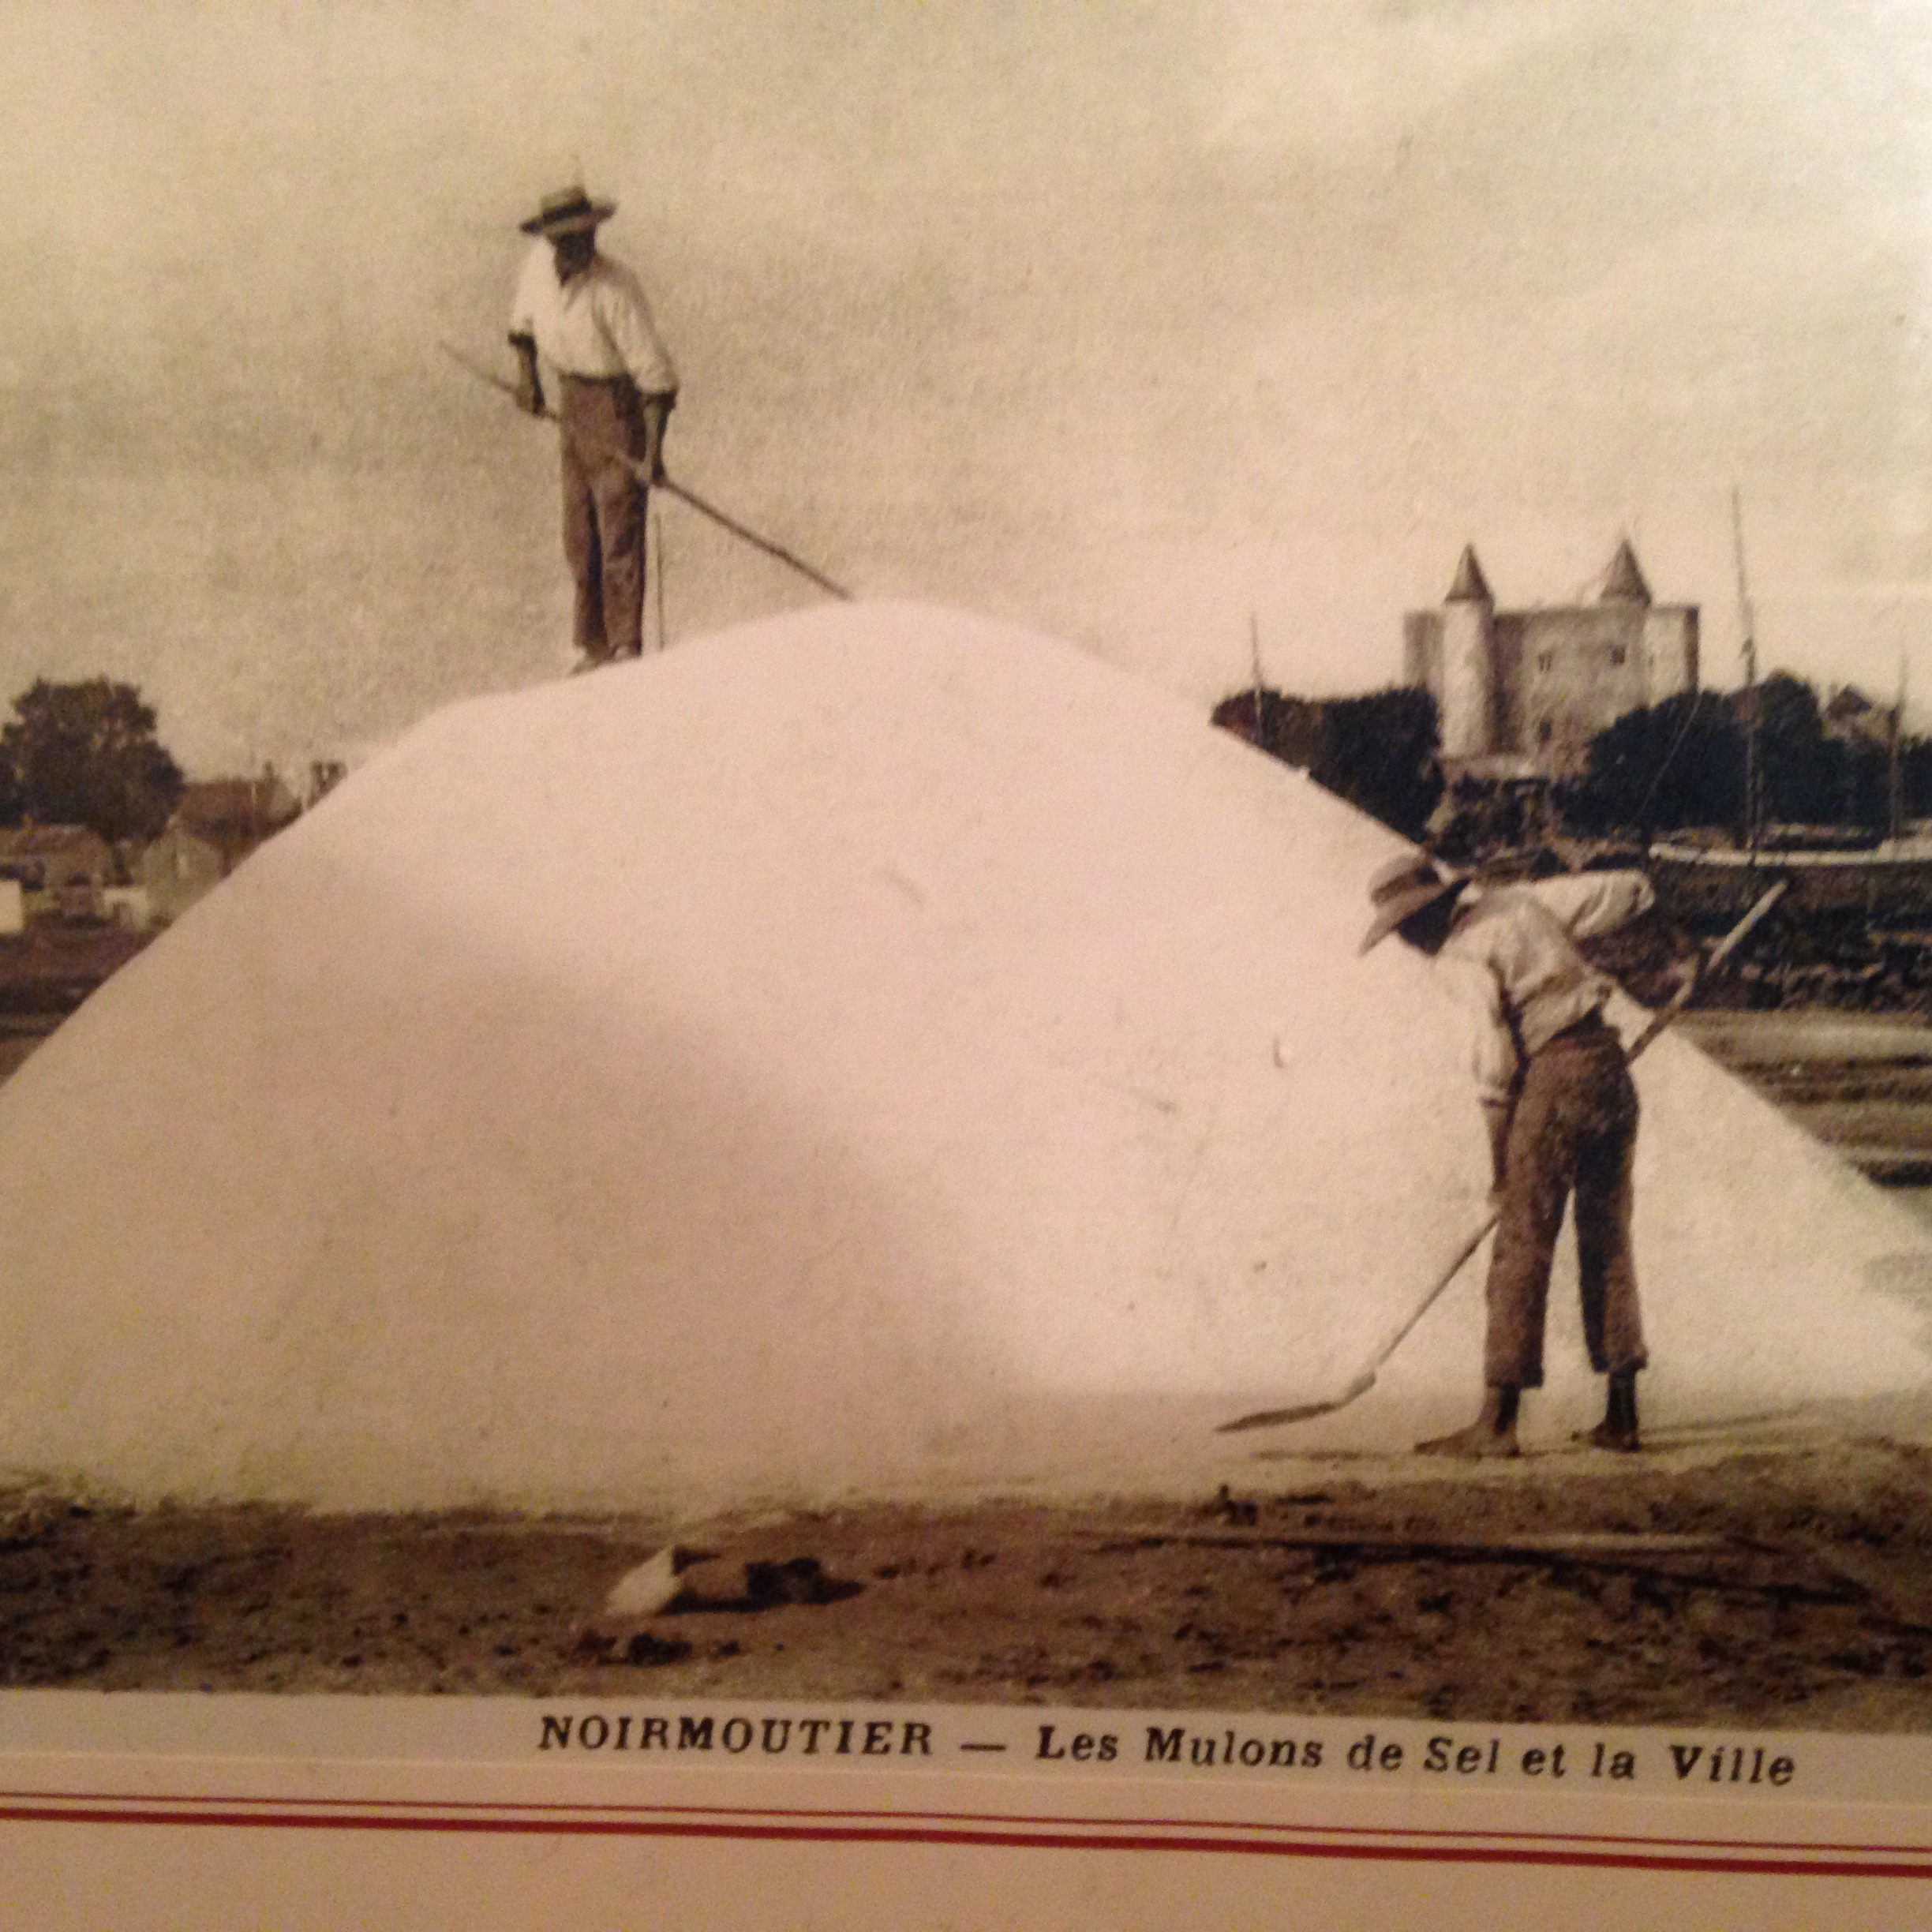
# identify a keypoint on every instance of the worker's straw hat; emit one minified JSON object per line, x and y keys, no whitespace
{"x":570,"y":210}
{"x":1400,"y":889}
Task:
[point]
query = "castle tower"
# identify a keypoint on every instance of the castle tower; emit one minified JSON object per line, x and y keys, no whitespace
{"x":1468,"y":681}
{"x":1521,"y":693}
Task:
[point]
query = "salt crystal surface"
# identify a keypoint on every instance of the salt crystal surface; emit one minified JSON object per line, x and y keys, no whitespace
{"x":871,"y":1052}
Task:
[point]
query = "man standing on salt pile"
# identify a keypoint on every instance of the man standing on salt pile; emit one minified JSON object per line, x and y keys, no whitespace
{"x":1561,"y":1113}
{"x":587,"y":316}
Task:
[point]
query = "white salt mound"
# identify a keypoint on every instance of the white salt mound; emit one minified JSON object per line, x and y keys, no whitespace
{"x":869,"y":1052}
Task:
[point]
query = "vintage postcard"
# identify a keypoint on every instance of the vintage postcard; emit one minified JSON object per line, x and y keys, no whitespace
{"x":1005,"y":933}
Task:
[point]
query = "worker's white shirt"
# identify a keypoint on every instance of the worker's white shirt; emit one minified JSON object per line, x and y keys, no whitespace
{"x":596,"y":325}
{"x":1513,"y":962}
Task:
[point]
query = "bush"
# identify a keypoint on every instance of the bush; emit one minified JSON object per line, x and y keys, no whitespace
{"x":1380,"y":751}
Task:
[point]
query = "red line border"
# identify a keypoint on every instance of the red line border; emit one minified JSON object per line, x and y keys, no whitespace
{"x":980,"y":1830}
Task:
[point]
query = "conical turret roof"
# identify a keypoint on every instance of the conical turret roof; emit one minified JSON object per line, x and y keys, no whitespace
{"x":1623,"y":582}
{"x":1470,"y":585}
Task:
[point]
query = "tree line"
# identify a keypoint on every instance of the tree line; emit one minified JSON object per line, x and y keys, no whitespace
{"x":1687,"y":761}
{"x":1380,"y":750}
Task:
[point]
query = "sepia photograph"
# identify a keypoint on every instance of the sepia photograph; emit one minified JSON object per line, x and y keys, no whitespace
{"x":1046,"y":863}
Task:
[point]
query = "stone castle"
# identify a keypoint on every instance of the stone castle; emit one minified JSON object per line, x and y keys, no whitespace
{"x":1521,"y":694}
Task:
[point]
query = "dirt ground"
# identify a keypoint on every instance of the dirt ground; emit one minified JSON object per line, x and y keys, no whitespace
{"x":1788,"y":1585}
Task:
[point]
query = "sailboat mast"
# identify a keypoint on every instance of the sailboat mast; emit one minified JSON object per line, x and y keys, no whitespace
{"x":1895,"y":793}
{"x":1748,"y":652}
{"x":1254,"y":654}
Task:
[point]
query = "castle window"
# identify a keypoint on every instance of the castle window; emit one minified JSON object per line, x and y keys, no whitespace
{"x":1545,"y":731}
{"x":1546,"y":660}
{"x":1618,"y":653}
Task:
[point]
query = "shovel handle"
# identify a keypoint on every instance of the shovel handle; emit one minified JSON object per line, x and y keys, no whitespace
{"x":1399,"y":1333}
{"x":1718,"y":959}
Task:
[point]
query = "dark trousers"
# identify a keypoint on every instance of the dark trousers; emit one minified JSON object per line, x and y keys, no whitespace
{"x":603,"y":513}
{"x":1573,"y":1133}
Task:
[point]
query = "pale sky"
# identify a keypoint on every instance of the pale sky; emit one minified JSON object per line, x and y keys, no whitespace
{"x":1126,"y":321}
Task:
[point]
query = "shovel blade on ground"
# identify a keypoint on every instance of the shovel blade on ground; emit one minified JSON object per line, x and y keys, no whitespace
{"x":1298,"y":1412}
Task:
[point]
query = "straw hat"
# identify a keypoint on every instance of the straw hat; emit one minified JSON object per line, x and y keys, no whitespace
{"x":570,"y":210}
{"x":1401,"y":889}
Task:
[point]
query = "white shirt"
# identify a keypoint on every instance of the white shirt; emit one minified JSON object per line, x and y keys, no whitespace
{"x":596,"y":325}
{"x":1515,"y":965}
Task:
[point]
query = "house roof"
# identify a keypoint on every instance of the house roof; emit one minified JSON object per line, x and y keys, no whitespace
{"x":41,"y":841}
{"x":1850,"y":715}
{"x":217,"y":806}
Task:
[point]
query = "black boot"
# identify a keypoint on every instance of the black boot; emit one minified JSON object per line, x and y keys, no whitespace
{"x":1618,"y":1429}
{"x":1493,"y":1433}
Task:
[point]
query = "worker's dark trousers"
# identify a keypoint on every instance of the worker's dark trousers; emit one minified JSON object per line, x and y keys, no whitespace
{"x":603,"y":513}
{"x":1574,"y":1130}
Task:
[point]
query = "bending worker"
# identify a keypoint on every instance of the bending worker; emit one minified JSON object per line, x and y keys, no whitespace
{"x":1561,"y":1113}
{"x":587,"y":316}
